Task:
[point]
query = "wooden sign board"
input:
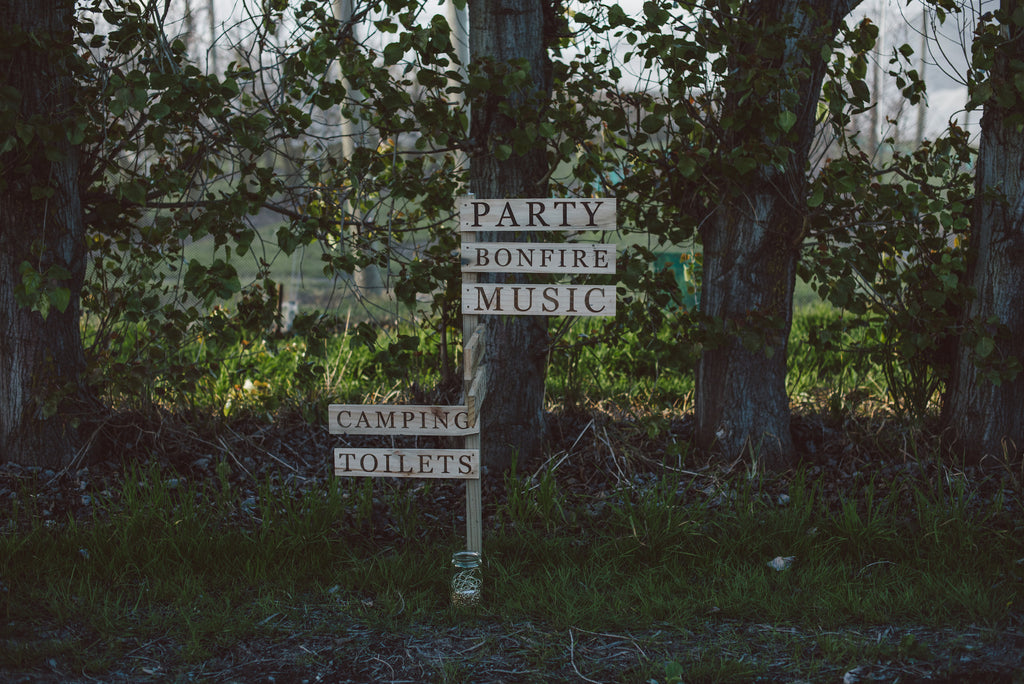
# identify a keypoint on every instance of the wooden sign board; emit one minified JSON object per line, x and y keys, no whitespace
{"x":473,"y":351}
{"x":476,"y":394}
{"x":360,"y":419}
{"x":457,"y":464}
{"x":538,"y":300}
{"x":576,"y":214}
{"x":537,"y":257}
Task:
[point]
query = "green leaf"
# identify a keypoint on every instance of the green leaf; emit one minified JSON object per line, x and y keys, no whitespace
{"x":687,"y":167}
{"x":861,"y":91}
{"x":617,"y":16}
{"x":786,"y":121}
{"x":40,"y":192}
{"x":656,"y":14}
{"x":159,"y":110}
{"x":934,"y":298}
{"x":393,"y":53}
{"x":30,"y":278}
{"x":744,"y":165}
{"x":60,"y":298}
{"x":980,"y":94}
{"x":652,"y":123}
{"x":985,"y":347}
{"x":76,"y":134}
{"x":817,"y":197}
{"x":503,"y":152}
{"x":1018,"y":15}
{"x":133,"y":192}
{"x":25,"y":132}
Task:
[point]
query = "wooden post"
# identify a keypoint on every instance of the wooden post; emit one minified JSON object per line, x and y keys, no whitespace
{"x":473,"y":348}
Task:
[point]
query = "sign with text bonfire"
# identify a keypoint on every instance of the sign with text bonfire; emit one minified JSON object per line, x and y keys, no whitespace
{"x":360,"y":419}
{"x":554,"y":299}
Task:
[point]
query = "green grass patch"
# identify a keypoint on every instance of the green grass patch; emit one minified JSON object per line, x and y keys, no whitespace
{"x":194,"y":564}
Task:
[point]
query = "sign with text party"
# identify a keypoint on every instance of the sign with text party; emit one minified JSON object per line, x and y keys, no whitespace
{"x":510,"y":215}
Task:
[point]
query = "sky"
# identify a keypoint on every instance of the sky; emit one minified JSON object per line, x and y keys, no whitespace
{"x":945,"y":57}
{"x":899,"y":21}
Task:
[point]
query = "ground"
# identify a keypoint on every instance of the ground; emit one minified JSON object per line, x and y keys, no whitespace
{"x":486,"y":651}
{"x":307,"y":644}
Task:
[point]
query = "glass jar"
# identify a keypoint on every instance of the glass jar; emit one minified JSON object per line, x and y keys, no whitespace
{"x":467,"y":580}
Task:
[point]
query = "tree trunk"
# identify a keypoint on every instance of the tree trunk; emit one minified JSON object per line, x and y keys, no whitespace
{"x":512,"y":425}
{"x":749,"y":275}
{"x":752,"y":241}
{"x":983,"y":418}
{"x":42,"y":228}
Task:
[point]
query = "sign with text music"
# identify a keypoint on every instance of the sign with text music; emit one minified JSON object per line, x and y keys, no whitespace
{"x":505,"y":299}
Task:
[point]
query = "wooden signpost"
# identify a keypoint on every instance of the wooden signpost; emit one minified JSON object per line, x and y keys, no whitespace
{"x":504,"y":299}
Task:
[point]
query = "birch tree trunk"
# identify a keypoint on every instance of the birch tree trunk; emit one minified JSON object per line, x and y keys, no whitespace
{"x":502,"y":31}
{"x":752,"y":240}
{"x":367,"y":279}
{"x":211,"y":16}
{"x":41,"y":231}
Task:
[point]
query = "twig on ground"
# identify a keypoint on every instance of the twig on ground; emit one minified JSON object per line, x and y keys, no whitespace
{"x":248,"y":441}
{"x":572,"y":658}
{"x":615,"y":459}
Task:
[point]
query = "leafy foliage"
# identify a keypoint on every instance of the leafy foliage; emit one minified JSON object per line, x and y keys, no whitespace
{"x":174,"y":153}
{"x":892,"y":253}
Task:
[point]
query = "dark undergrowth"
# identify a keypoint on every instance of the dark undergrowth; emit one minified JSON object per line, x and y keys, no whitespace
{"x":227,"y":551}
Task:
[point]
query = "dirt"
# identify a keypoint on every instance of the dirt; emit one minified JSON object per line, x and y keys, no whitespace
{"x":633,"y":451}
{"x":488,"y":651}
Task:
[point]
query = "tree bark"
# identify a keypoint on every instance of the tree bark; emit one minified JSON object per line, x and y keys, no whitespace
{"x":752,"y":240}
{"x":41,"y":225}
{"x":983,"y":418}
{"x":512,"y":425}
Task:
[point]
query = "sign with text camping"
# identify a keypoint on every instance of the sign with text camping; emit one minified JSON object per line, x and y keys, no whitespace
{"x":357,"y":419}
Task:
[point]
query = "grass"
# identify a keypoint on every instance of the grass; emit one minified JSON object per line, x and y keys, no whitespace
{"x":197,"y":565}
{"x":634,"y":369}
{"x":673,"y":564}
